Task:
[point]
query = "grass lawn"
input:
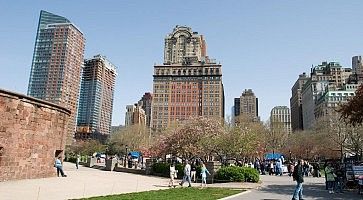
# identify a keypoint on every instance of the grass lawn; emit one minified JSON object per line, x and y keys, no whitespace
{"x":174,"y":194}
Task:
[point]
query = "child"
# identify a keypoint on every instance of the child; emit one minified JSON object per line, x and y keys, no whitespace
{"x":203,"y":173}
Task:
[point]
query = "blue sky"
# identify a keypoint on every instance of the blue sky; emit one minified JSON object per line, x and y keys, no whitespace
{"x":263,"y":45}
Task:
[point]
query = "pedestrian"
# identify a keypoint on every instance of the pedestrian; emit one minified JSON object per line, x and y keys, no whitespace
{"x":279,"y":167}
{"x":193,"y":172}
{"x":78,"y":159}
{"x":203,"y":173}
{"x":263,"y":168}
{"x":330,"y":178}
{"x":186,"y":176}
{"x":298,"y":176}
{"x":339,"y":180}
{"x":173,"y":175}
{"x":58,"y":165}
{"x":271,"y":168}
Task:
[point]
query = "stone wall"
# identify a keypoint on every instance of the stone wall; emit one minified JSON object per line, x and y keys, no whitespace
{"x":32,"y":133}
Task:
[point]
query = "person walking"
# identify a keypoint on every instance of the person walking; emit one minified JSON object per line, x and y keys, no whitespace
{"x":298,"y":176}
{"x":203,"y":173}
{"x":173,"y":174}
{"x":78,"y":159}
{"x":58,"y":165}
{"x":330,"y":178}
{"x":186,"y":176}
{"x":193,"y":172}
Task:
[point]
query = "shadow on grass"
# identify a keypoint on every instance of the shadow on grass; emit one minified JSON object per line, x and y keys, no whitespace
{"x":310,"y":191}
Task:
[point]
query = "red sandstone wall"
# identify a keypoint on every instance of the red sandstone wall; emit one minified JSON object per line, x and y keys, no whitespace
{"x":31,"y":131}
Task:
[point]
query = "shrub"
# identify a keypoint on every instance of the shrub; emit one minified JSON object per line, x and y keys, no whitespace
{"x":251,"y":174}
{"x":160,"y":168}
{"x":163,"y":169}
{"x":230,"y":173}
{"x":238,"y":174}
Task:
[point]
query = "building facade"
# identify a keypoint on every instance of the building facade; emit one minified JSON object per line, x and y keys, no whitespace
{"x":188,"y":83}
{"x":295,"y":103}
{"x":135,"y":115}
{"x":246,"y":105}
{"x":145,"y":103}
{"x":57,"y":63}
{"x":280,"y":119}
{"x":325,"y":75}
{"x":96,"y":97}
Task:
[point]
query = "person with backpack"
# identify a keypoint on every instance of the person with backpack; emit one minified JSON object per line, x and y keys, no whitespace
{"x":298,"y":176}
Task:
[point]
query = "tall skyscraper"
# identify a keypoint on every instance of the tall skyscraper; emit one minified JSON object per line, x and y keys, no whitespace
{"x":295,"y":102}
{"x":96,"y":97}
{"x":57,"y":63}
{"x":145,"y":103}
{"x":280,"y":119}
{"x":188,"y":83}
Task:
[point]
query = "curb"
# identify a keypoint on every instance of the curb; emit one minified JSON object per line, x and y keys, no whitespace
{"x":236,"y":195}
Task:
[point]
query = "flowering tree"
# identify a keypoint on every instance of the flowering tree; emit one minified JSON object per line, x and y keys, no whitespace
{"x":195,"y":137}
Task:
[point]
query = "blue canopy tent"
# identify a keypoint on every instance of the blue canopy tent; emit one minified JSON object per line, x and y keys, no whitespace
{"x":273,"y":156}
{"x":134,"y":154}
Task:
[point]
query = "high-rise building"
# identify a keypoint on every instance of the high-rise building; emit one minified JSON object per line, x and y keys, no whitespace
{"x":188,"y":83}
{"x":237,"y":107}
{"x":246,"y":105}
{"x":145,"y":103}
{"x":357,"y":64}
{"x":96,"y":97}
{"x":321,"y":76}
{"x":57,"y":63}
{"x":331,"y":98}
{"x":135,"y":115}
{"x":295,"y":103}
{"x":280,"y":119}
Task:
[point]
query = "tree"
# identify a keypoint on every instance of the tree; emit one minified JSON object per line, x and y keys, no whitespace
{"x":193,"y":138}
{"x":135,"y":137}
{"x":352,"y":111}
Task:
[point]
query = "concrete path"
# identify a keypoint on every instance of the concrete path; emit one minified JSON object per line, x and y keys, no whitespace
{"x":88,"y":182}
{"x":84,"y":182}
{"x":281,"y":188}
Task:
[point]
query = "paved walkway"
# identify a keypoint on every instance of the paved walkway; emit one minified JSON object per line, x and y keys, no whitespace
{"x":281,"y":188}
{"x":88,"y":182}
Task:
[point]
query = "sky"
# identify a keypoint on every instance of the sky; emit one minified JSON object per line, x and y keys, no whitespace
{"x":262,"y":45}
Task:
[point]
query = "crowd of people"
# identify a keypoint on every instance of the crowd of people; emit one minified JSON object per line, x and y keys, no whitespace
{"x":190,"y":171}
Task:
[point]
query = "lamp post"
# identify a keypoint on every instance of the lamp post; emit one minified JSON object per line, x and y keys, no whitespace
{"x":125,"y":155}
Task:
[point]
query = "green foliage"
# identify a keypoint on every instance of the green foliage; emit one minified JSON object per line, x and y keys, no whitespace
{"x":251,"y":174}
{"x":161,"y":168}
{"x":231,"y":173}
{"x":164,"y":169}
{"x":175,"y":194}
{"x":238,"y":174}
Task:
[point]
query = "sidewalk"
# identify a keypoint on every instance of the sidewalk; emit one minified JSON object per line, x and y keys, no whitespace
{"x":282,"y":187}
{"x":89,"y":182}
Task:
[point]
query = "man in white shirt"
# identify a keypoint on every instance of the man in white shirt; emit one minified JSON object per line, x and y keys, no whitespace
{"x":186,"y":174}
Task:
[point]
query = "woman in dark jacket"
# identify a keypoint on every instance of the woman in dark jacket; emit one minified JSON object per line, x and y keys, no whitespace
{"x":298,"y":176}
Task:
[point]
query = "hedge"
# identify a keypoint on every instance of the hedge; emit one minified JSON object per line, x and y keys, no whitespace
{"x":163,"y":169}
{"x":237,"y":174}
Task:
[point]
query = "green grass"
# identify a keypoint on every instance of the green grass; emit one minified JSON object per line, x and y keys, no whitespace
{"x":174,"y":194}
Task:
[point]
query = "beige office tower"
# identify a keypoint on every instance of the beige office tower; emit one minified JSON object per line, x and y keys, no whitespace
{"x":188,"y":83}
{"x":280,"y":119}
{"x":135,"y":115}
{"x":57,"y":63}
{"x":248,"y":105}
